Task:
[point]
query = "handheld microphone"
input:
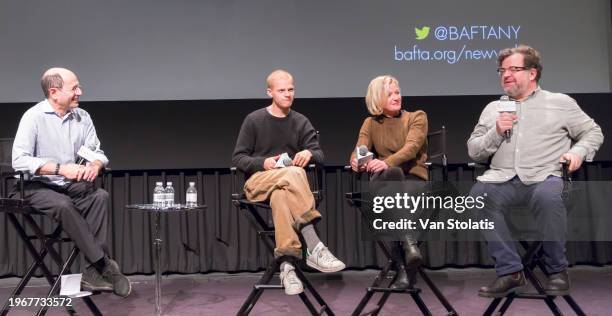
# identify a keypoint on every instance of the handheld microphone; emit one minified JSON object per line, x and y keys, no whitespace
{"x":507,"y":106}
{"x":363,"y":155}
{"x":284,"y":161}
{"x":363,"y":150}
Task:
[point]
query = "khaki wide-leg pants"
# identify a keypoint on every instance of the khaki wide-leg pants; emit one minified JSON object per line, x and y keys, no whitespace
{"x":292,"y":204}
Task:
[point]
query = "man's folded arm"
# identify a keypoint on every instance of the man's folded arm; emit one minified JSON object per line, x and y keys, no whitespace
{"x":311,"y":142}
{"x":241,"y":157}
{"x":92,"y":142}
{"x":23,"y":147}
{"x":584,"y":131}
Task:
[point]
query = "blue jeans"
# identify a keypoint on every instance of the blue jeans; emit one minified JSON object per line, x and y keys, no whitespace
{"x":544,"y":199}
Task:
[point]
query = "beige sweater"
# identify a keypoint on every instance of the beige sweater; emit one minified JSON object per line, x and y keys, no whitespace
{"x":399,"y":141}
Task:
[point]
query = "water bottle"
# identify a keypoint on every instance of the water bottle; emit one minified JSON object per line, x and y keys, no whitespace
{"x":159,"y":195}
{"x":192,"y":195}
{"x":169,"y":194}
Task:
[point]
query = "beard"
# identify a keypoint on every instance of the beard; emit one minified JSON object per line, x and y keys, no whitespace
{"x":514,"y":90}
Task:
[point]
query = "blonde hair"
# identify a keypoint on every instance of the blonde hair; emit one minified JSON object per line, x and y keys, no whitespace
{"x":378,"y":91}
{"x":278,"y":74}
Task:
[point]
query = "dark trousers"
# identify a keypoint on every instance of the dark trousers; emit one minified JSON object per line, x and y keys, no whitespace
{"x":544,"y":199}
{"x":81,"y":209}
{"x":412,"y":185}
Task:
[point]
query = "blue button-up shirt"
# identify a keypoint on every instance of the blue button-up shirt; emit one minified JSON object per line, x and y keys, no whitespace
{"x":44,"y":137}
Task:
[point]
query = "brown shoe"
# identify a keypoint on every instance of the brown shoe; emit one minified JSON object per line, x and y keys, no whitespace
{"x":504,"y":285}
{"x":112,"y":274}
{"x":558,"y":284}
{"x":93,"y":281}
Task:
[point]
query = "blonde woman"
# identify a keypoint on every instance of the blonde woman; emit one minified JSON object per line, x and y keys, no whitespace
{"x":398,"y":139}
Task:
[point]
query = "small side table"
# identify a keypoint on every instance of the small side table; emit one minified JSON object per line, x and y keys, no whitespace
{"x":157,"y":241}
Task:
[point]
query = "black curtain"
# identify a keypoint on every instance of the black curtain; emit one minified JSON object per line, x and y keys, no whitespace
{"x":221,"y":239}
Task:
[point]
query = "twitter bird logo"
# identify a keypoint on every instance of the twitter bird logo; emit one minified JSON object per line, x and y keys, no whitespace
{"x":421,"y":33}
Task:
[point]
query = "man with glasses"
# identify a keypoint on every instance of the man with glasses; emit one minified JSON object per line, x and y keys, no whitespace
{"x":524,"y":146}
{"x":46,"y":144}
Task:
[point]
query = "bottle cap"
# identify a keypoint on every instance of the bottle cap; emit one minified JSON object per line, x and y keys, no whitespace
{"x":159,"y":183}
{"x":169,"y":183}
{"x":192,"y":183}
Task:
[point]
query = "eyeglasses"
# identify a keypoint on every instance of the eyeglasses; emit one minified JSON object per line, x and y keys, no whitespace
{"x":73,"y":90}
{"x":512,"y":69}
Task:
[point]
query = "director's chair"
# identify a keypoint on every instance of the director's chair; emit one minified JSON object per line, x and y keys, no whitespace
{"x":436,"y":152}
{"x":265,"y":232}
{"x":532,"y":258}
{"x":14,"y":207}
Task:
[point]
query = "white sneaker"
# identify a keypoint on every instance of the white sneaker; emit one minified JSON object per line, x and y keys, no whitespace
{"x":323,"y":260}
{"x":290,"y":281}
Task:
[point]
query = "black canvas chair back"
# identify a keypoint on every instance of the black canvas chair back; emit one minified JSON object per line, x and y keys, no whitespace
{"x":437,"y":160}
{"x":19,"y":207}
{"x":6,"y":147}
{"x":436,"y":153}
{"x":262,"y":223}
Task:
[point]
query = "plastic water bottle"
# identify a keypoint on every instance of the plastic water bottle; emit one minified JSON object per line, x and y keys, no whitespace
{"x":169,"y":194}
{"x":191,"y":198}
{"x":159,"y":195}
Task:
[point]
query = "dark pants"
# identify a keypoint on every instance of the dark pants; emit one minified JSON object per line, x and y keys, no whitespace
{"x":412,"y":185}
{"x":544,"y":200}
{"x":81,"y":209}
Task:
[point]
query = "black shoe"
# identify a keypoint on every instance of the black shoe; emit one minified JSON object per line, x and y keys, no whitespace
{"x":504,"y":285}
{"x":402,"y":281}
{"x":558,"y":284}
{"x":120,"y":284}
{"x":412,"y":255}
{"x":93,"y":281}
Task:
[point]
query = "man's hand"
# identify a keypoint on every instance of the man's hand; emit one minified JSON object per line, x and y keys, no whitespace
{"x":72,"y":171}
{"x":356,"y":167}
{"x":574,"y":161}
{"x":376,"y":165}
{"x":504,"y":122}
{"x":302,"y":158}
{"x":79,"y":172}
{"x":270,"y":162}
{"x":91,"y":172}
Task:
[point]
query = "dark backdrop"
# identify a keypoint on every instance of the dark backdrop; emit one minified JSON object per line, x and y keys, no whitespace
{"x":196,"y":139}
{"x":202,"y":133}
{"x":222,"y":239}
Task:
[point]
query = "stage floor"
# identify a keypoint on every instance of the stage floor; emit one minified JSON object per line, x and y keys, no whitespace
{"x":223,"y":294}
